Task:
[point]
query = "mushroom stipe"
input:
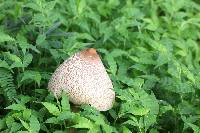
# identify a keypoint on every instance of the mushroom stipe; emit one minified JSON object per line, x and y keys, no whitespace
{"x":84,"y":78}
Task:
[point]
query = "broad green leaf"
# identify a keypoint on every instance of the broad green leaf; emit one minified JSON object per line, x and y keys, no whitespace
{"x":34,"y":124}
{"x":65,"y":103}
{"x":31,"y":75}
{"x":50,"y":5}
{"x":187,"y":72}
{"x":132,"y":121}
{"x":5,"y":37}
{"x":153,"y":131}
{"x":53,"y":109}
{"x":81,"y":6}
{"x":150,"y":102}
{"x":128,"y":108}
{"x":194,"y":127}
{"x":126,"y":130}
{"x":23,"y":44}
{"x":27,"y":59}
{"x":84,"y":36}
{"x":24,"y":99}
{"x":163,"y":58}
{"x":40,"y":39}
{"x":4,"y":64}
{"x":105,"y":30}
{"x":26,"y":114}
{"x":174,"y":69}
{"x":25,"y":124}
{"x":65,"y":115}
{"x":33,"y":6}
{"x":52,"y":120}
{"x":151,"y":25}
{"x":17,"y":62}
{"x":15,"y":127}
{"x":13,"y":57}
{"x":82,"y":122}
{"x":2,"y":124}
{"x":112,"y":64}
{"x":149,"y":120}
{"x":17,"y":107}
{"x":140,"y":111}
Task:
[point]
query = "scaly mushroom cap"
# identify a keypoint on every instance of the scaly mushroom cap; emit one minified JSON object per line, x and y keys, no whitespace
{"x":85,"y":79}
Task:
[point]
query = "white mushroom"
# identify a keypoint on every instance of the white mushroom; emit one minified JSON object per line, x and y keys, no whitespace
{"x":85,"y":79}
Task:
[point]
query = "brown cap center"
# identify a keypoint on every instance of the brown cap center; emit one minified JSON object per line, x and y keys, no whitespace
{"x":90,"y":54}
{"x":91,"y":51}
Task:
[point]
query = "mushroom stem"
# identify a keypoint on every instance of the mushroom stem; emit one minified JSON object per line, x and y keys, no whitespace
{"x":72,"y":130}
{"x":74,"y":109}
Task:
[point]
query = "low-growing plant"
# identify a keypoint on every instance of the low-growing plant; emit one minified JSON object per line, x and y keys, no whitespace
{"x":150,"y":49}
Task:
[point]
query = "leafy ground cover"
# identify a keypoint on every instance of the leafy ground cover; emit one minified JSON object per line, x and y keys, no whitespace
{"x":150,"y":49}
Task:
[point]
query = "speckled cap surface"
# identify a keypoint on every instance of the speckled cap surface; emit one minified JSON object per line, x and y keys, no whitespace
{"x":85,"y":79}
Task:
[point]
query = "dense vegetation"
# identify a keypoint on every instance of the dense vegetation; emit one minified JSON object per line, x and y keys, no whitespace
{"x":149,"y":47}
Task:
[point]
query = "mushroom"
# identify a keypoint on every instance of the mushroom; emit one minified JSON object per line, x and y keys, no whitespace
{"x":84,"y":78}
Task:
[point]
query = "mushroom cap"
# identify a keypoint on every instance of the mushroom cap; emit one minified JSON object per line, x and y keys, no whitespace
{"x":84,"y":78}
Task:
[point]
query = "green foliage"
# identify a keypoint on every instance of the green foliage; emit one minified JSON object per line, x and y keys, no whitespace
{"x":150,"y":49}
{"x":7,"y":85}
